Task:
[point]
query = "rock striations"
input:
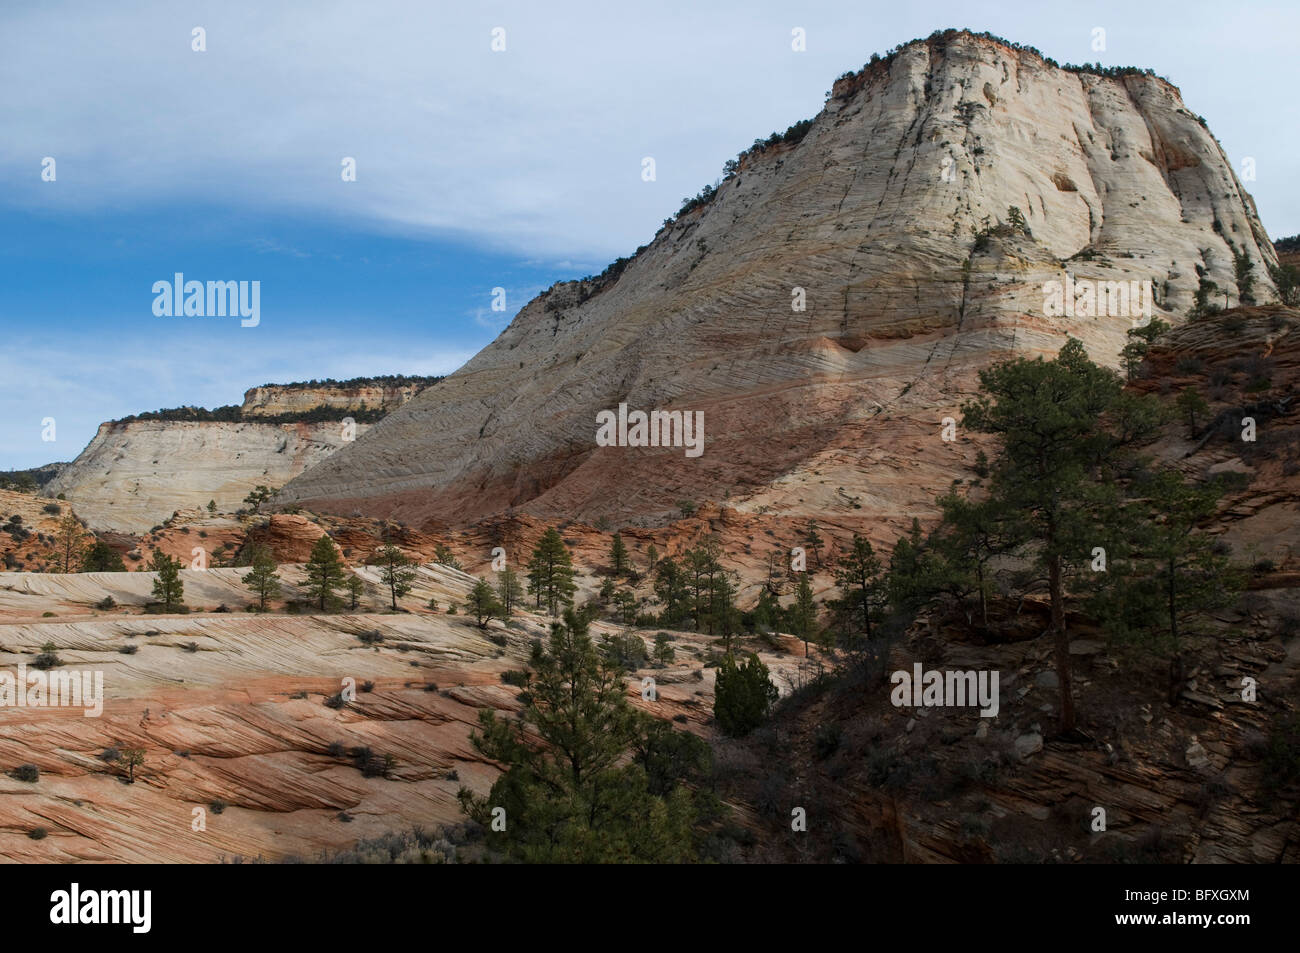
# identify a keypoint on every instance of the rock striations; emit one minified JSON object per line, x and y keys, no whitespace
{"x":917,"y":219}
{"x":136,"y":472}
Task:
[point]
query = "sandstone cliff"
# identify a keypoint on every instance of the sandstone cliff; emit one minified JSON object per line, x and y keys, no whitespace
{"x":275,"y":400}
{"x":136,"y":472}
{"x":891,"y":214}
{"x":134,"y":475}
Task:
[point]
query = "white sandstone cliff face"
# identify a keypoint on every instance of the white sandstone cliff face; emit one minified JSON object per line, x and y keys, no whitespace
{"x":134,"y":475}
{"x":873,"y":214}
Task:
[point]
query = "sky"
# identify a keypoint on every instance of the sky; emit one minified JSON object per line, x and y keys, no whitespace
{"x":475,"y":168}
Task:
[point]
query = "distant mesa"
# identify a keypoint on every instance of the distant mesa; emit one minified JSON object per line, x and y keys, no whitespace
{"x":138,"y":470}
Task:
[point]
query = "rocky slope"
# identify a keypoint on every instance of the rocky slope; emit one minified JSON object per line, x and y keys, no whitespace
{"x":230,"y":712}
{"x":1204,"y":780}
{"x":891,"y":215}
{"x":136,"y":472}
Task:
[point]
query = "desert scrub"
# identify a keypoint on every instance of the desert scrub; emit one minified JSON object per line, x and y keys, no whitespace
{"x":46,"y":658}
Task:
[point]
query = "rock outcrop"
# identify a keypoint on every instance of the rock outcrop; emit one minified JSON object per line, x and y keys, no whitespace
{"x":136,"y":472}
{"x":275,"y":400}
{"x":230,"y":711}
{"x":916,"y":220}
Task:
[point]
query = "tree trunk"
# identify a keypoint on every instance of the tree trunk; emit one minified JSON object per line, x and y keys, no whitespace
{"x":1062,"y":644}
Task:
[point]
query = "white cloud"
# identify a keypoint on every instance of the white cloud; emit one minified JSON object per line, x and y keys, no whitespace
{"x":535,"y":150}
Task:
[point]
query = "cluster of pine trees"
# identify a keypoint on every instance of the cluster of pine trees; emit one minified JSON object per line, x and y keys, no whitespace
{"x":1070,"y":506}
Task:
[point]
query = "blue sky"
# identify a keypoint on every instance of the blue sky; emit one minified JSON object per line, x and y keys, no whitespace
{"x":475,"y":169}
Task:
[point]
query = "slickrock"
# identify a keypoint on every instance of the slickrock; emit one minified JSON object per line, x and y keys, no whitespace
{"x":136,"y":473}
{"x":873,"y":215}
{"x":231,"y":708}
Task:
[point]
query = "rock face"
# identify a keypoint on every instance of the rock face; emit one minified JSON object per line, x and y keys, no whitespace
{"x":275,"y":400}
{"x":137,"y":472}
{"x":890,"y":222}
{"x":134,"y":475}
{"x":230,"y":712}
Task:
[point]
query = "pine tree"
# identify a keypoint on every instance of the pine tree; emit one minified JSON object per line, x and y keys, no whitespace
{"x":814,"y":543}
{"x":510,"y":592}
{"x":263,"y":579}
{"x":1191,"y":405}
{"x":804,"y":612}
{"x":324,"y":573}
{"x":701,"y":568}
{"x":775,"y":572}
{"x":910,"y":580}
{"x":608,"y":589}
{"x":257,"y":496}
{"x":396,"y":571}
{"x":861,"y":585}
{"x":356,"y":588}
{"x":167,"y":587}
{"x":651,"y":557}
{"x":101,"y":557}
{"x":618,"y":558}
{"x":577,"y":797}
{"x":443,"y":556}
{"x":971,"y":536}
{"x":742,"y":695}
{"x":132,"y":758}
{"x":550,"y":573}
{"x":1139,"y":344}
{"x":664,"y":652}
{"x":670,"y":588}
{"x":212,"y":507}
{"x":1047,"y":414}
{"x":767,"y":612}
{"x":482,"y":603}
{"x":1176,"y":574}
{"x":68,"y":539}
{"x":626,"y":605}
{"x":723,"y":614}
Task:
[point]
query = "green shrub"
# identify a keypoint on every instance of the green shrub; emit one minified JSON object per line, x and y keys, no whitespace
{"x":47,"y":658}
{"x":626,"y":651}
{"x":743,"y":695}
